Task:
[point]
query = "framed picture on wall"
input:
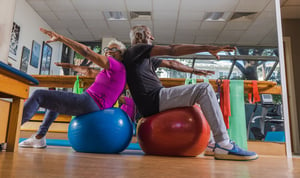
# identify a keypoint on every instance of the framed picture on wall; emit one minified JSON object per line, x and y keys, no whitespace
{"x":14,"y":41}
{"x":46,"y":59}
{"x":35,"y":54}
{"x":24,"y":59}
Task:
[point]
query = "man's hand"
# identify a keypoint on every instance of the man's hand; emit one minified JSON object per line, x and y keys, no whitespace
{"x":53,"y":36}
{"x":213,"y":50}
{"x":121,"y":99}
{"x":203,"y":72}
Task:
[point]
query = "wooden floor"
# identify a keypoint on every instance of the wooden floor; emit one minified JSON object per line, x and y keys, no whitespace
{"x":64,"y":162}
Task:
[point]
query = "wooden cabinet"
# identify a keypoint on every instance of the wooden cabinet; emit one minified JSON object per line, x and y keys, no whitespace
{"x":4,"y":114}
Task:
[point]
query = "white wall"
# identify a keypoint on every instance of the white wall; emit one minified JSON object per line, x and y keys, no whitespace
{"x":6,"y":13}
{"x":30,"y":22}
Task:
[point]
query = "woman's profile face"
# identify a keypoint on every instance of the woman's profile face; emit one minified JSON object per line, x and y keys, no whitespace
{"x":114,"y":51}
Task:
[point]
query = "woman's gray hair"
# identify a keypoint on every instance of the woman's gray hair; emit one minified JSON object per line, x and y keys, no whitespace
{"x":119,"y":43}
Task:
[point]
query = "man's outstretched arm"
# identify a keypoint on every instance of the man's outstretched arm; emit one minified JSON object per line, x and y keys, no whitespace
{"x":171,"y":64}
{"x":185,"y":49}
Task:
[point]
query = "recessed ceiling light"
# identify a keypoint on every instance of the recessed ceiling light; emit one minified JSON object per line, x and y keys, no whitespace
{"x":115,"y":15}
{"x":216,"y":16}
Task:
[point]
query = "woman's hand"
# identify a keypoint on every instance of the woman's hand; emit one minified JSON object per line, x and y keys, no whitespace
{"x":53,"y":36}
{"x":64,"y":65}
{"x":203,"y":72}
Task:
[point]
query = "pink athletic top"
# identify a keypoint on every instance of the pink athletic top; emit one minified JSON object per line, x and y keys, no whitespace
{"x":108,"y":84}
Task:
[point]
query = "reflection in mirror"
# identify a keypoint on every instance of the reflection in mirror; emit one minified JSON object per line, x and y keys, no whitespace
{"x":264,"y":121}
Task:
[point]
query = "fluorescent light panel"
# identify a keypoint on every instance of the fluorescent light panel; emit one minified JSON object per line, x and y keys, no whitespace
{"x":216,"y":16}
{"x":115,"y":15}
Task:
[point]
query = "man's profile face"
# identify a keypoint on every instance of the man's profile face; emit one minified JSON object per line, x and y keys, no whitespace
{"x":148,"y":34}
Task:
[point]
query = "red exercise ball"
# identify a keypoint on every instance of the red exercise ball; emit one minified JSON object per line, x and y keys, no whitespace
{"x":175,"y":132}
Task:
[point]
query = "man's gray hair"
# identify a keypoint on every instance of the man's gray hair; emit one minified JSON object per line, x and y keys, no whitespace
{"x":138,"y":34}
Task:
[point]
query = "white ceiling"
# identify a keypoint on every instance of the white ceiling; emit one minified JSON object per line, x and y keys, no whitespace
{"x":172,"y":21}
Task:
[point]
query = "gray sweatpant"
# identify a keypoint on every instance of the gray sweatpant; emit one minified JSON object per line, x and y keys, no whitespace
{"x":57,"y":102}
{"x":202,"y":94}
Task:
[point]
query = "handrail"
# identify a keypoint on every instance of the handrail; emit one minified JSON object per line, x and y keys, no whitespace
{"x":67,"y":81}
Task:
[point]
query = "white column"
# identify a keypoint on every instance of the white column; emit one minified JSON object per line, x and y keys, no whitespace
{"x":7,"y":11}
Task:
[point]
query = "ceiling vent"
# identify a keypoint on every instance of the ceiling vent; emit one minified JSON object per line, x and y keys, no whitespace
{"x":114,"y":15}
{"x":243,"y":16}
{"x":140,"y":15}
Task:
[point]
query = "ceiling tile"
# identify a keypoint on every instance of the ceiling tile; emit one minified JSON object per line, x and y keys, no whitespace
{"x":165,"y":5}
{"x":110,"y":5}
{"x":95,"y":23}
{"x":164,"y":40}
{"x":119,"y":27}
{"x":271,"y":39}
{"x":87,"y":5}
{"x":263,"y":19}
{"x":185,"y":36}
{"x":252,"y":37}
{"x":76,"y":23}
{"x":184,"y":39}
{"x":208,"y":6}
{"x":67,"y":15}
{"x":251,"y":6}
{"x":163,"y":25}
{"x":147,"y":23}
{"x":38,"y":5}
{"x":60,"y":5}
{"x":205,"y":39}
{"x":165,"y":15}
{"x":78,"y":31}
{"x":188,"y":25}
{"x":162,"y":28}
{"x":229,"y":37}
{"x":271,"y":6}
{"x":54,"y":23}
{"x":237,"y":25}
{"x":214,"y":26}
{"x":64,"y":32}
{"x":100,"y":30}
{"x":139,"y":5}
{"x":85,"y":37}
{"x":191,"y":15}
{"x":186,"y":32}
{"x":48,"y":15}
{"x":91,"y":15}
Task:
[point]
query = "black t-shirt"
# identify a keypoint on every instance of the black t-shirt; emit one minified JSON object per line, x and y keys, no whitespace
{"x":142,"y":80}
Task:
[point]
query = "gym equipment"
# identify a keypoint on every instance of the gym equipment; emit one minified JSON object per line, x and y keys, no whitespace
{"x":270,"y":113}
{"x":175,"y":132}
{"x":237,"y":121}
{"x":105,"y":131}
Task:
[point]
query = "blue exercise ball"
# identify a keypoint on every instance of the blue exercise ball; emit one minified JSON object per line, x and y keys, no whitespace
{"x":106,"y":131}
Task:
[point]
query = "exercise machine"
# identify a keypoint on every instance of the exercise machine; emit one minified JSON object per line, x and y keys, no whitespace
{"x":271,"y":113}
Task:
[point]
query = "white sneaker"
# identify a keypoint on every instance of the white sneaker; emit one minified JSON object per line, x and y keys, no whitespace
{"x":33,"y":142}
